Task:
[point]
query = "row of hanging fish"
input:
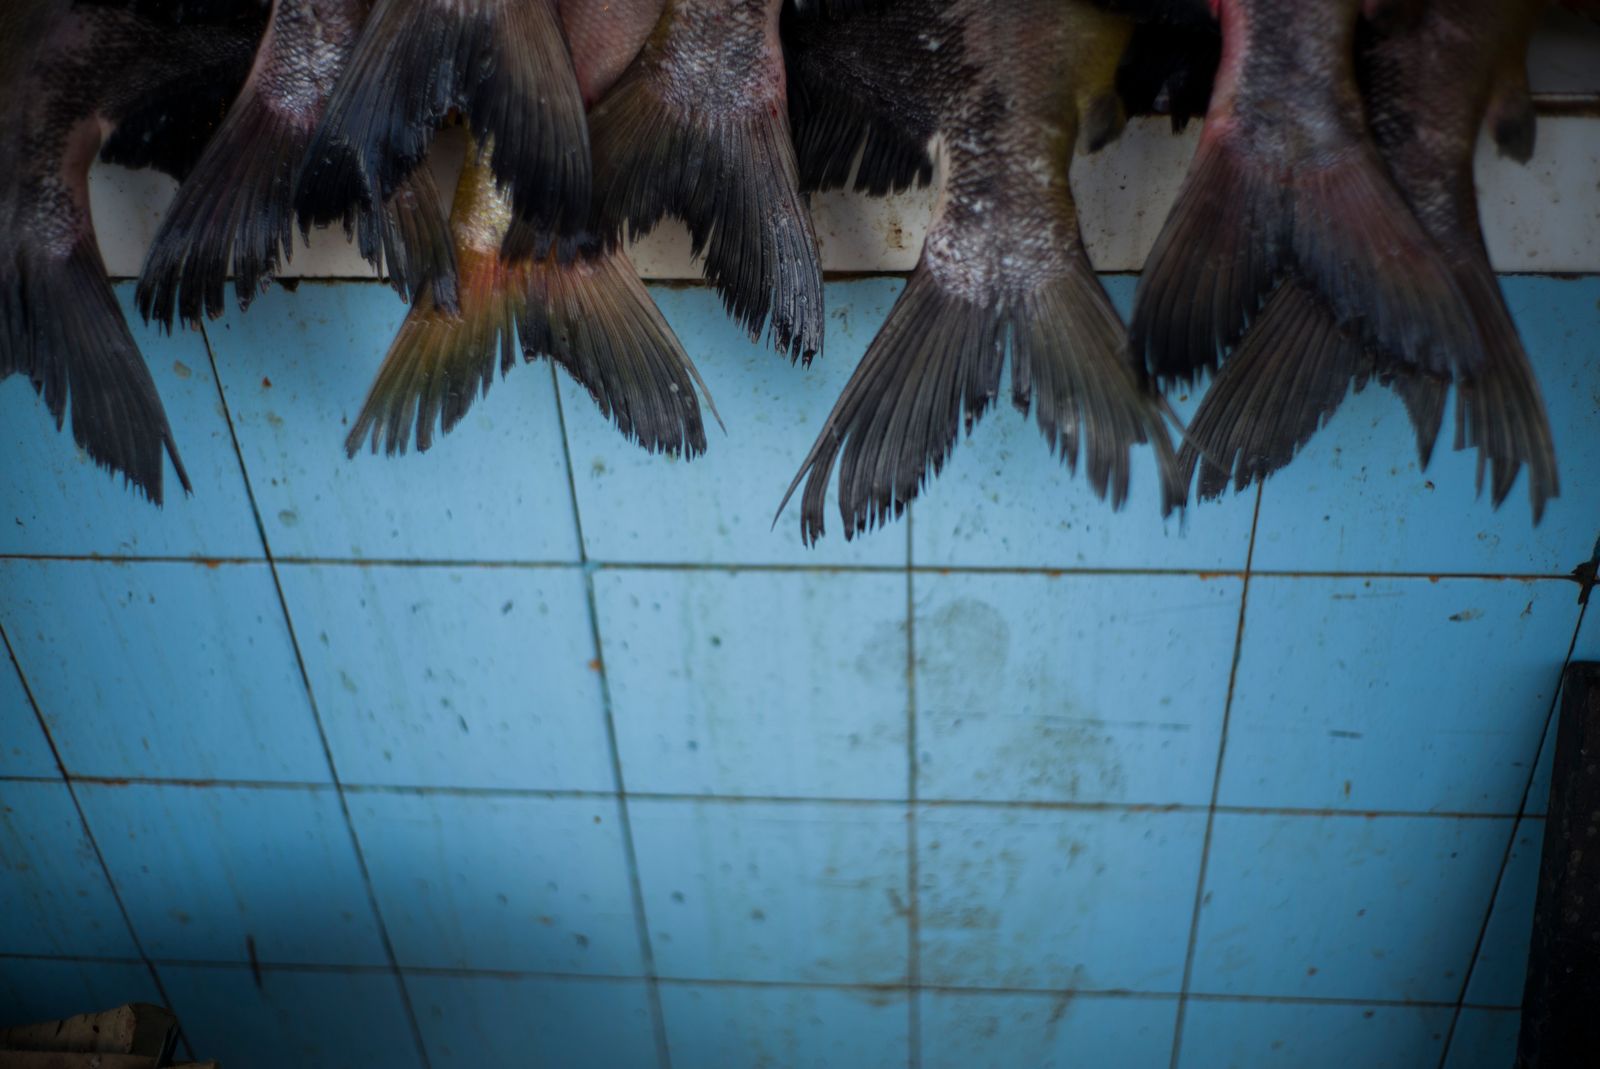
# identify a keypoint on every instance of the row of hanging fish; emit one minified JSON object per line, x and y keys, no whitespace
{"x":1326,"y":234}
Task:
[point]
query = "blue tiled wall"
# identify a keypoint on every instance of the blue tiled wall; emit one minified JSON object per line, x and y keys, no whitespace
{"x":539,"y":750}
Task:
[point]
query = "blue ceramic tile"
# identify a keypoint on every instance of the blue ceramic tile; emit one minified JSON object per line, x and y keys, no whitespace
{"x":453,"y":677}
{"x":53,"y":893}
{"x":757,"y":683}
{"x":1344,"y":907}
{"x":54,"y":500}
{"x":1278,"y":1035}
{"x":346,"y":1019}
{"x":1502,"y":963}
{"x":192,"y":664}
{"x":1072,"y":688}
{"x":719,"y":507}
{"x":296,"y":370}
{"x":1004,"y":499}
{"x":808,"y":892}
{"x":473,"y":1021}
{"x":796,"y":1028}
{"x":24,"y":750}
{"x":1484,"y":1039}
{"x":1355,"y":501}
{"x":982,"y":1030}
{"x":229,"y":874}
{"x":44,"y":989}
{"x":516,"y":884}
{"x":1394,"y":694}
{"x":1064,"y":900}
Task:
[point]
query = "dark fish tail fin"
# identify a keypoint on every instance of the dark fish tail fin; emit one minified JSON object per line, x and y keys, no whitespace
{"x":60,"y":325}
{"x":503,"y":63}
{"x":1423,"y":394}
{"x":935,"y":367}
{"x":236,"y":208}
{"x":934,"y":364}
{"x":1500,"y":411}
{"x":1217,"y":258}
{"x":1357,"y":243}
{"x":442,"y":360}
{"x":592,"y":315}
{"x":1513,"y":121}
{"x":410,"y":241}
{"x":1069,"y":359}
{"x":732,"y":178}
{"x":1282,"y":384}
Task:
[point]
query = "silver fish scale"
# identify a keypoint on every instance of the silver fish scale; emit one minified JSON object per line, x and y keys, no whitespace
{"x":1009,"y":224}
{"x":305,"y":51}
{"x":720,"y":55}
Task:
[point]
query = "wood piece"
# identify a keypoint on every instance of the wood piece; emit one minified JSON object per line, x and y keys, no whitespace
{"x":138,"y":1028}
{"x":59,"y":1059}
{"x":1560,"y":1027}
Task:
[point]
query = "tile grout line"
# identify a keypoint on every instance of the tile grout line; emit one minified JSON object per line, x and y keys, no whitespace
{"x":780,"y":567}
{"x":913,"y":862}
{"x":1550,"y":720}
{"x":1041,"y":993}
{"x":384,"y":938}
{"x":641,"y":919}
{"x":1216,"y":788}
{"x":456,"y":791}
{"x":94,"y":844}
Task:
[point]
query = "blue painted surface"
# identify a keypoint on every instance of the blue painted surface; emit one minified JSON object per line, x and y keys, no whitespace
{"x":990,"y":1030}
{"x":1344,"y":907}
{"x":1268,"y":1035}
{"x":949,"y":817}
{"x":797,"y":1028}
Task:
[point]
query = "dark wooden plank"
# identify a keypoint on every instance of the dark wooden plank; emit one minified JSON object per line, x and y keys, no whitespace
{"x":1561,"y":1001}
{"x":137,"y":1028}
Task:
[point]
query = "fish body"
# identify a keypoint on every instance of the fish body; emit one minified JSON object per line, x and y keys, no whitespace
{"x":697,"y":128}
{"x":557,"y":290}
{"x":1014,"y":86}
{"x":1427,"y":84}
{"x":502,"y":64}
{"x":236,"y":212}
{"x":1287,"y":178}
{"x":69,"y":73}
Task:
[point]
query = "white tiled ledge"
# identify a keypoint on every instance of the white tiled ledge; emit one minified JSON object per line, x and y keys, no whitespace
{"x":1541,"y":218}
{"x":1544,"y":217}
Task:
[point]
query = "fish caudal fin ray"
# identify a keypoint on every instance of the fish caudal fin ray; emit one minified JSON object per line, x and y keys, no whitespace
{"x":1423,"y":395}
{"x":731,"y":177}
{"x":502,"y":63}
{"x":1217,"y":258}
{"x":61,"y":326}
{"x":1282,"y":384}
{"x":235,"y":210}
{"x":1499,"y":411}
{"x":409,"y":240}
{"x":1358,"y":244}
{"x":442,"y":360}
{"x":935,"y":367}
{"x":593,"y":316}
{"x":1069,"y":362}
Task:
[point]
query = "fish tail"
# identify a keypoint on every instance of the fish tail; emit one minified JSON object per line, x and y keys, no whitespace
{"x":1284,"y":382}
{"x":409,"y":241}
{"x":1357,"y":242}
{"x":733,"y":180}
{"x":1423,"y":395}
{"x":503,"y":63}
{"x":1500,"y":411}
{"x":935,"y":367}
{"x":592,"y":315}
{"x":61,"y":326}
{"x":1215,"y":262}
{"x":236,"y":208}
{"x":442,"y":360}
{"x":835,"y":136}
